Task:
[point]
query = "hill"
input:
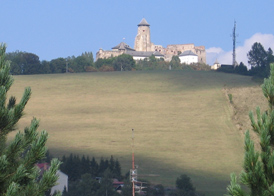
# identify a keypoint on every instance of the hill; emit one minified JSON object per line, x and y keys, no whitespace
{"x":182,"y":121}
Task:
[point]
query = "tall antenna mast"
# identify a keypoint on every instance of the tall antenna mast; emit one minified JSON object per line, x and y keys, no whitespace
{"x":134,"y":174}
{"x":133,"y":165}
{"x":234,"y":45}
{"x":133,"y":170}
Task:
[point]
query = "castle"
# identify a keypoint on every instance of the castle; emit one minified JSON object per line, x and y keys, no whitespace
{"x":144,"y":48}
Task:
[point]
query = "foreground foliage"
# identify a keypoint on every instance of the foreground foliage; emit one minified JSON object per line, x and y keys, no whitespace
{"x":259,"y":165}
{"x":18,"y":173}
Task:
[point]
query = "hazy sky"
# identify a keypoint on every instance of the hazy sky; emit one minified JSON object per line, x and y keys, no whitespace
{"x":62,"y":28}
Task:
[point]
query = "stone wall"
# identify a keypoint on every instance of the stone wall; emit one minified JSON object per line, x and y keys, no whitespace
{"x":107,"y":54}
{"x":176,"y":49}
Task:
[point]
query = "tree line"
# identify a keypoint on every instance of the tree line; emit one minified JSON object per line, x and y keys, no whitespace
{"x":75,"y":167}
{"x":25,"y":63}
{"x":259,"y":59}
{"x":88,"y":177}
{"x":126,"y":62}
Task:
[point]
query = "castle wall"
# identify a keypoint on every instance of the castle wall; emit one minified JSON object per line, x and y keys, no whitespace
{"x":177,"y":49}
{"x":201,"y":52}
{"x":158,"y":48}
{"x":102,"y":54}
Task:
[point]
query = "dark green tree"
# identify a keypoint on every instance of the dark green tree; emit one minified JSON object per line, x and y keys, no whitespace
{"x":270,"y":55}
{"x":93,"y":167}
{"x":18,"y":172}
{"x":270,"y":59}
{"x":159,"y":190}
{"x":127,"y":188}
{"x":257,"y":56}
{"x":175,"y":62}
{"x":104,"y":62}
{"x":106,"y":187}
{"x":87,"y":186}
{"x":152,"y":59}
{"x":117,"y":170}
{"x":184,"y":187}
{"x":78,"y":64}
{"x":184,"y":183}
{"x":58,"y":65}
{"x":89,"y":58}
{"x":123,"y":62}
{"x":241,"y":69}
{"x":31,"y":63}
{"x":45,"y":67}
{"x":258,"y":166}
{"x":24,"y":63}
{"x":103,"y":165}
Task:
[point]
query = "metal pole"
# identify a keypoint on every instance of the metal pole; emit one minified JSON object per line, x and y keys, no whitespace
{"x":66,"y":67}
{"x":234,"y":45}
{"x":133,"y":165}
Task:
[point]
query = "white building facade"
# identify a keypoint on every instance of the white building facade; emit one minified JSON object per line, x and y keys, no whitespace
{"x":188,"y":57}
{"x":62,"y":183}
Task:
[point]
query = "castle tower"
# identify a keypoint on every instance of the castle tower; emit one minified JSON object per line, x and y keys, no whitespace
{"x":142,"y":39}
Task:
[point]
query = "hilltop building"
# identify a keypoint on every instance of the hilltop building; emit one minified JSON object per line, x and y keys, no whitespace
{"x":216,"y":65}
{"x":188,"y":57}
{"x":144,"y":48}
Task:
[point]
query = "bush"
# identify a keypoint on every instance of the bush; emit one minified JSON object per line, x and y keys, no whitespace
{"x":230,"y":98}
{"x":90,"y":69}
{"x":106,"y":68}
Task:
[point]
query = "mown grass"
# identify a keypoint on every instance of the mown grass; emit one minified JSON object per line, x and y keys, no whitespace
{"x":182,"y":121}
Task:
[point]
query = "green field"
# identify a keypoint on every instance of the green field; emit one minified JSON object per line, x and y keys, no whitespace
{"x":182,"y":121}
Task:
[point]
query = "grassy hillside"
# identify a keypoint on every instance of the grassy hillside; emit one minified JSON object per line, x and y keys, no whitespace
{"x":182,"y":121}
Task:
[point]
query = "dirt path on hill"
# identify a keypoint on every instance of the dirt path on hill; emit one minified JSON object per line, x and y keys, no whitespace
{"x":244,"y":100}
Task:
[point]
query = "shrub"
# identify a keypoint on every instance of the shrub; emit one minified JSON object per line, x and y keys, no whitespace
{"x":105,"y":68}
{"x":230,"y":98}
{"x":90,"y":69}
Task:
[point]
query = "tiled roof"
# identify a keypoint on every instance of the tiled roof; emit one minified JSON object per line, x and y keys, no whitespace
{"x":188,"y":53}
{"x":143,"y":23}
{"x":144,"y":54}
{"x":122,"y":46}
{"x":43,"y":165}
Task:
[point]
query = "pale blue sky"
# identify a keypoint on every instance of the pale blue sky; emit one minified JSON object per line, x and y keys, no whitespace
{"x":62,"y":28}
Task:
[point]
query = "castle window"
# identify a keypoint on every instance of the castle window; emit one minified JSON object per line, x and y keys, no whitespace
{"x":143,"y":30}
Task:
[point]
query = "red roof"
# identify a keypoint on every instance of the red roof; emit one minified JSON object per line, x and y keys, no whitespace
{"x":42,"y":165}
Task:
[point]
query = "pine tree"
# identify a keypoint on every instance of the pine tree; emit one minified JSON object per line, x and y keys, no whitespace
{"x":18,"y":173}
{"x":258,"y":173}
